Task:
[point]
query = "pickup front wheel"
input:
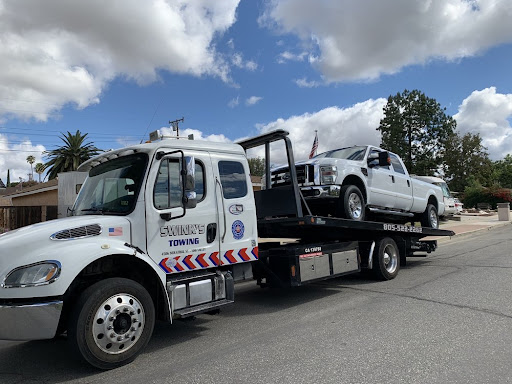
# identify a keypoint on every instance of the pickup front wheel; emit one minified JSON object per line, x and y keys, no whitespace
{"x":112,"y":322}
{"x":430,"y":218}
{"x":351,"y":203}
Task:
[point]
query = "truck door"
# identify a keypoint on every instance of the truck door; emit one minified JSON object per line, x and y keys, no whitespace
{"x":380,"y":185}
{"x":402,"y":184}
{"x":236,"y":207}
{"x":175,"y":241}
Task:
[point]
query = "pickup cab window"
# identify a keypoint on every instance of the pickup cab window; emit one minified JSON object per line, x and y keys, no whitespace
{"x":112,"y":187}
{"x":397,"y":166}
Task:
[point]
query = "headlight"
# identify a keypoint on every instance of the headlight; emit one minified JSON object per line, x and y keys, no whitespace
{"x":45,"y":272}
{"x":328,"y":174}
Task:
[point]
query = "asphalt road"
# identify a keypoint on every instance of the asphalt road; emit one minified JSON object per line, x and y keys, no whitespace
{"x":444,"y":319}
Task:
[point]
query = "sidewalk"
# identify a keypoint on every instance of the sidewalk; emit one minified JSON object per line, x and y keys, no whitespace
{"x":470,"y":223}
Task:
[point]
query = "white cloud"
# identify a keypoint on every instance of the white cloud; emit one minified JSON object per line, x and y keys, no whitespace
{"x":13,"y":157}
{"x":54,"y":53}
{"x":388,"y":35}
{"x":238,"y":61}
{"x":198,"y":135}
{"x":233,"y":102}
{"x":337,"y":127}
{"x":489,"y":114}
{"x":305,"y":83}
{"x":289,"y":56}
{"x":253,"y":100}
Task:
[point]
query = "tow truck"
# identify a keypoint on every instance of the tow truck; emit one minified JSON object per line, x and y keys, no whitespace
{"x":163,"y":231}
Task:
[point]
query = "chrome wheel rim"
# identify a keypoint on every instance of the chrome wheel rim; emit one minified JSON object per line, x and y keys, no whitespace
{"x":390,"y":259}
{"x":433,"y":219}
{"x":355,"y":206}
{"x":118,"y":324}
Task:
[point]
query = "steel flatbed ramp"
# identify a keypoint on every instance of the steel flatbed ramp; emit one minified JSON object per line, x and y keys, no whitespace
{"x":330,"y":228}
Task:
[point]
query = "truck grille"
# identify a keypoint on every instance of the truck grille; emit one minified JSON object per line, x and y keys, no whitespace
{"x":77,"y":233}
{"x":305,"y":175}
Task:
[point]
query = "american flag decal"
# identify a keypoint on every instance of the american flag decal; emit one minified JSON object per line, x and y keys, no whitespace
{"x":115,"y":231}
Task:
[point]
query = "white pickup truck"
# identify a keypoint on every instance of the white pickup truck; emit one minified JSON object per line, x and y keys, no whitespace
{"x":354,"y":181}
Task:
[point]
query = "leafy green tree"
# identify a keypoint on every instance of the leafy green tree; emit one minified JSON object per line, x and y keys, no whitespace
{"x":256,"y":166}
{"x":31,"y":160}
{"x":466,"y":161}
{"x":417,"y":128}
{"x":8,"y":178}
{"x":68,"y":157}
{"x":39,"y":168}
{"x":503,"y":169}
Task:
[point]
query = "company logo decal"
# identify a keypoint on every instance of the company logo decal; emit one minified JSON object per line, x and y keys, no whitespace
{"x":236,"y":209}
{"x":182,"y":230}
{"x":238,"y":229}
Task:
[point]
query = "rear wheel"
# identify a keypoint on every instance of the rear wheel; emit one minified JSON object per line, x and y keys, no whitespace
{"x":351,"y":203}
{"x":386,"y":259}
{"x":112,"y":322}
{"x":430,"y":218}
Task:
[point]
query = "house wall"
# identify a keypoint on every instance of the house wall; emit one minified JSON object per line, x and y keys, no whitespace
{"x":36,"y":199}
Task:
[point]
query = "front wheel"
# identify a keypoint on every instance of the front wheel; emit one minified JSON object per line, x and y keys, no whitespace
{"x":430,"y":218}
{"x":351,"y":203}
{"x":112,"y":322}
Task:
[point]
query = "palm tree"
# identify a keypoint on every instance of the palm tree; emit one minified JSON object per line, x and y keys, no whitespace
{"x":69,"y":156}
{"x":31,"y":160}
{"x":39,"y":169}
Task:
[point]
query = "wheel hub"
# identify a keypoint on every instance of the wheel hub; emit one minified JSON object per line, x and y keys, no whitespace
{"x":390,"y":259}
{"x":355,"y":206}
{"x":118,"y":323}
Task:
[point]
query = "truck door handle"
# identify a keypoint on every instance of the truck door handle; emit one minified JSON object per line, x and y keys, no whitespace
{"x":408,"y":183}
{"x":211,"y":232}
{"x":392,"y":178}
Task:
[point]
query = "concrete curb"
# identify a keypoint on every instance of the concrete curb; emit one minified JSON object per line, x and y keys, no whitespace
{"x":470,"y":232}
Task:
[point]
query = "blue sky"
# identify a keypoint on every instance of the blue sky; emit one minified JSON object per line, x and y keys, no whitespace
{"x":237,"y":68}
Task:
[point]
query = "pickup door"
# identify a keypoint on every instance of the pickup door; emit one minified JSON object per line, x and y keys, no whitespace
{"x":401,"y":184}
{"x":380,"y":184}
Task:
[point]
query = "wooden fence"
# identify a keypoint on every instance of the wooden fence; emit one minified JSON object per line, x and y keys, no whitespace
{"x":16,"y":217}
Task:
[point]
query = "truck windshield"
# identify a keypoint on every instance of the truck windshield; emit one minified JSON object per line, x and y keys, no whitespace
{"x":112,"y":187}
{"x":350,"y":153}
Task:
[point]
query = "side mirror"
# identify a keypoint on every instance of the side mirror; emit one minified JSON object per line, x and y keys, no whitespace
{"x":384,"y":159}
{"x":190,"y":182}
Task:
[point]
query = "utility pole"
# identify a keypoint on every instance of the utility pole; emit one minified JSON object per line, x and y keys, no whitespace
{"x":174,"y":125}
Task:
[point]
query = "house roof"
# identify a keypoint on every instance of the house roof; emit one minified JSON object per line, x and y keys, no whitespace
{"x":38,"y":188}
{"x":2,"y":185}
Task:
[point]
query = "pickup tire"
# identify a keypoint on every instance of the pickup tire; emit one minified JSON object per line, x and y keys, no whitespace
{"x":430,"y":218}
{"x":351,"y":204}
{"x":111,"y":322}
{"x":386,"y":259}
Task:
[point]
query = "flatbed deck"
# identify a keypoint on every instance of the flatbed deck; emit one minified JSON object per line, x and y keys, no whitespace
{"x":322,"y":228}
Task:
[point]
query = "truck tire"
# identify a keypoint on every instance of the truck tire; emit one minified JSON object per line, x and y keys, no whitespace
{"x":111,"y":322}
{"x":386,"y":259}
{"x":430,"y":218}
{"x":351,"y":203}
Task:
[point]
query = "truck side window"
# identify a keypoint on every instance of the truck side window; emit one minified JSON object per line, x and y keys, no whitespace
{"x":396,"y":164}
{"x":168,"y":190}
{"x":233,"y":179}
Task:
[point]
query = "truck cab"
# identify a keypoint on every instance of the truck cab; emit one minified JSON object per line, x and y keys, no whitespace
{"x":166,"y":223}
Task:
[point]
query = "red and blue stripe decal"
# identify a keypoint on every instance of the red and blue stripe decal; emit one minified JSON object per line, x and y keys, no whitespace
{"x":191,"y":262}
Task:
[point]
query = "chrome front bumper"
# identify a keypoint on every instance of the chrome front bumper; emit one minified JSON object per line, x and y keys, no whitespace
{"x":321,"y":191}
{"x":29,"y":321}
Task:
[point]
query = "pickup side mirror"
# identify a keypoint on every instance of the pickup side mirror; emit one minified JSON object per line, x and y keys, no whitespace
{"x":384,"y":159}
{"x":380,"y":159}
{"x":190,"y":196}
